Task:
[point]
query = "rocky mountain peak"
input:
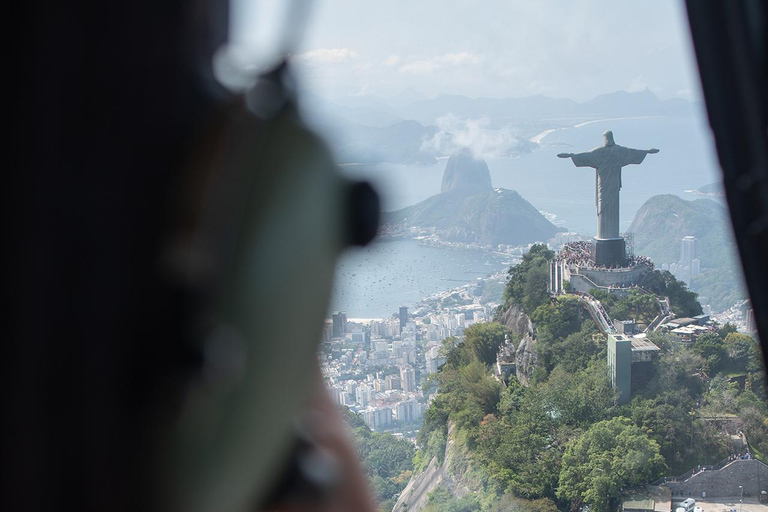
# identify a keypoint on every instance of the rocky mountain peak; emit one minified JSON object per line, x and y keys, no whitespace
{"x":464,"y":170}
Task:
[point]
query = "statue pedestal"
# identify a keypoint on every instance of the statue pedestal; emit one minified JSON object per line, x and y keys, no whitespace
{"x":609,"y":251}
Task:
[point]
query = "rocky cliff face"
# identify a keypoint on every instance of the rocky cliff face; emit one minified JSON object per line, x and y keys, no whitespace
{"x":454,"y":475}
{"x":526,"y":359}
{"x":526,"y":356}
{"x":464,"y":170}
{"x":516,"y":321}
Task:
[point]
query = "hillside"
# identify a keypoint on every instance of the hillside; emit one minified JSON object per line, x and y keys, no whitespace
{"x":664,"y":220}
{"x":558,"y":440}
{"x":469,"y":210}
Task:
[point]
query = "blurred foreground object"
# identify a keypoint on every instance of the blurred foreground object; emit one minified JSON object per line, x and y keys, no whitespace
{"x":170,"y":247}
{"x":731,"y":46}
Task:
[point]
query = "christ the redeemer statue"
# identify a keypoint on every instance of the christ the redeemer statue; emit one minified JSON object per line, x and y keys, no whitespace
{"x":607,"y":160}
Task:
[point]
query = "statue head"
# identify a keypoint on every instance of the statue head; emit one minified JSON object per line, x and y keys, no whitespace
{"x":608,"y":138}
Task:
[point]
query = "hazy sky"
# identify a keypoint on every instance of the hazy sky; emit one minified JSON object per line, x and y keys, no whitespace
{"x":573,"y":49}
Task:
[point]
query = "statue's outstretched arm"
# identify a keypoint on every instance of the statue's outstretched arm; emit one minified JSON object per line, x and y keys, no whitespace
{"x":653,"y":151}
{"x":564,"y":155}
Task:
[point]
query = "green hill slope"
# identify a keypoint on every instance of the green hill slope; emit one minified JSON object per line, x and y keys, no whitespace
{"x":664,"y":220}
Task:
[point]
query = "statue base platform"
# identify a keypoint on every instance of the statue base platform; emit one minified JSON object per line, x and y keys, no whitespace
{"x":609,"y":252}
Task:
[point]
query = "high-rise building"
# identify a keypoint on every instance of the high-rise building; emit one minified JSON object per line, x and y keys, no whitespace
{"x":688,"y":250}
{"x":695,"y":267}
{"x":408,"y":379}
{"x":362,"y":395}
{"x":403,"y":317}
{"x":408,"y":355}
{"x":339,"y":324}
{"x":393,"y":382}
{"x":408,"y":411}
{"x":327,"y":331}
{"x":377,"y":417}
{"x":434,"y":360}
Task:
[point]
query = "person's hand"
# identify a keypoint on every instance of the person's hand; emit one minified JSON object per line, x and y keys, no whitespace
{"x":568,"y":155}
{"x":653,"y":151}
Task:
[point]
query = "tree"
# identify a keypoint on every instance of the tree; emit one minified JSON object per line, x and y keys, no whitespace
{"x":683,"y":301}
{"x":484,"y":340}
{"x":527,"y":284}
{"x":509,"y":502}
{"x":555,"y":323}
{"x":667,"y":419}
{"x":743,"y":352}
{"x":441,"y":500}
{"x":611,"y":455}
{"x":579,"y":399}
{"x":514,"y":451}
{"x":711,"y":348}
{"x":385,"y":457}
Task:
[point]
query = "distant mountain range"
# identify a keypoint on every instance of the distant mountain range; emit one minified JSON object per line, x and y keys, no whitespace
{"x":370,"y":129}
{"x":515,"y":110}
{"x":400,"y":143}
{"x":470,"y":210}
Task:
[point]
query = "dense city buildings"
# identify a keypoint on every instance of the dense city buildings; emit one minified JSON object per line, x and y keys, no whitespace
{"x":378,"y":366}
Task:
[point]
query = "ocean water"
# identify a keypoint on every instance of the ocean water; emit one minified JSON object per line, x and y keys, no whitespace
{"x":374,"y":281}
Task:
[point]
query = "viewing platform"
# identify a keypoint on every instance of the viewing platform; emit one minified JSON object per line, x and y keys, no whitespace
{"x":576,"y":265}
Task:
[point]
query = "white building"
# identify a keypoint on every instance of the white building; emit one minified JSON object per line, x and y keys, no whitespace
{"x":408,"y":379}
{"x":409,"y":411}
{"x":377,"y":417}
{"x":363,"y":395}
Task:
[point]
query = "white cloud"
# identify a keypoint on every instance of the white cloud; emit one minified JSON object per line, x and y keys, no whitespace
{"x":327,"y":56}
{"x":474,"y":134}
{"x":419,"y":67}
{"x":454,"y":59}
{"x":638,"y":85}
{"x":688,"y":94}
{"x":392,"y":60}
{"x":425,"y":66}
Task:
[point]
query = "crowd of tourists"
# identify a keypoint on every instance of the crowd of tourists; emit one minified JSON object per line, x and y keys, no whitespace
{"x":580,"y":254}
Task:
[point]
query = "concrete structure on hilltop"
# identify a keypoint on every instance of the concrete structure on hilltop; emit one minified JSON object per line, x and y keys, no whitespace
{"x":725,"y":482}
{"x":629,"y":360}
